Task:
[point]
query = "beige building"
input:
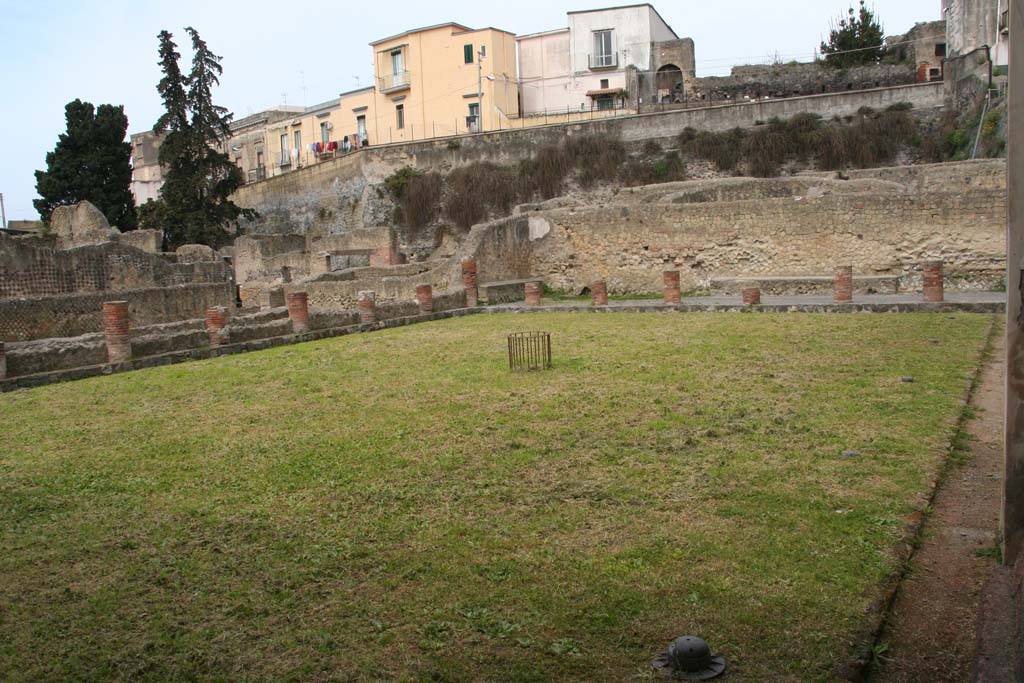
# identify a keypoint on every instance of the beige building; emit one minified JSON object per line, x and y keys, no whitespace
{"x":147,"y":176}
{"x":442,"y":80}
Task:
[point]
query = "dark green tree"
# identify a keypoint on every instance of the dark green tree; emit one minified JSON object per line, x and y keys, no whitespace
{"x":858,"y":38}
{"x":195,"y":205}
{"x":91,"y":162}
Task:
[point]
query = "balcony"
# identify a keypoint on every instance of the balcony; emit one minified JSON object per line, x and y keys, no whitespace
{"x":258,"y":173}
{"x":394,"y":82}
{"x":605,"y":61}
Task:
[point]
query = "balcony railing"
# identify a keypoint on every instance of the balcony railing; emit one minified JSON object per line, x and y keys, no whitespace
{"x":258,"y":173}
{"x":606,"y":61}
{"x":393,"y":82}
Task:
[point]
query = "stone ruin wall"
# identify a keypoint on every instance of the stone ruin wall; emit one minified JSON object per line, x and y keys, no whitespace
{"x":55,"y":285}
{"x":883,"y":222}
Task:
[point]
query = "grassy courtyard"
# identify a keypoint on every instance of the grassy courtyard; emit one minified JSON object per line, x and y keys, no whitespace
{"x":398,"y":507}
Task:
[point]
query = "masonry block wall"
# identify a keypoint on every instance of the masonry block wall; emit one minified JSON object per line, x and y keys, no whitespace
{"x":70,"y":315}
{"x":709,"y":229}
{"x":339,"y":196}
{"x":36,"y":268}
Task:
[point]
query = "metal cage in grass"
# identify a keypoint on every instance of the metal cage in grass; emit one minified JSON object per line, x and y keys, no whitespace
{"x":529,"y":351}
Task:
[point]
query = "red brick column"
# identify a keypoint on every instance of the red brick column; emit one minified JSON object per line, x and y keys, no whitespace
{"x":933,"y":281}
{"x":425,"y":297}
{"x":367,"y":305}
{"x":3,"y":361}
{"x":533,"y":291}
{"x":117,"y":331}
{"x":751,"y":296}
{"x":844,"y":284}
{"x":671,"y":280}
{"x":216,"y":318}
{"x":469,"y":281}
{"x":298,"y":310}
{"x":598,"y":293}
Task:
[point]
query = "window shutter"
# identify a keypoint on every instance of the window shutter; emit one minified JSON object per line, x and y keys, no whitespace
{"x":467,"y":54}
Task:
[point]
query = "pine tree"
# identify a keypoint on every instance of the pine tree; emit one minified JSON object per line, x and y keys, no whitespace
{"x":91,"y":162}
{"x":194,"y":205}
{"x":857,"y":38}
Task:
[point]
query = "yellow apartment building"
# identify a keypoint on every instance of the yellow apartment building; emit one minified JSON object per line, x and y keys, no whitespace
{"x":442,"y":80}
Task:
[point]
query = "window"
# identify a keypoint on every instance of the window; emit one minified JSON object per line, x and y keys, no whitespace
{"x":361,"y":128}
{"x":467,"y":54}
{"x":400,"y":116}
{"x":604,"y":103}
{"x":397,"y":63}
{"x":285,"y":158}
{"x":603,"y":54}
{"x":298,"y":140}
{"x":325,"y":132}
{"x":940,"y":49}
{"x":604,"y":84}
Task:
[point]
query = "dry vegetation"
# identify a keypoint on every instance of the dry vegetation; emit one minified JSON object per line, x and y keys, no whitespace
{"x":483,"y":190}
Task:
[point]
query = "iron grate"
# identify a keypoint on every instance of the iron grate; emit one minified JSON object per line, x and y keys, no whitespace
{"x":529,"y":351}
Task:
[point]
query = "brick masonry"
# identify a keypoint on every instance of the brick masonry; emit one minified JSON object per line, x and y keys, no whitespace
{"x":367,"y":305}
{"x":117,"y":331}
{"x":843,"y":284}
{"x":298,"y":310}
{"x":671,"y":293}
{"x":425,"y":298}
{"x":533,"y":292}
{"x":598,"y":293}
{"x":216,"y":319}
{"x":751,"y":296}
{"x":933,"y":286}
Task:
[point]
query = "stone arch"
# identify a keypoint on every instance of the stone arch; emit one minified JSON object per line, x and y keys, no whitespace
{"x":669,"y":77}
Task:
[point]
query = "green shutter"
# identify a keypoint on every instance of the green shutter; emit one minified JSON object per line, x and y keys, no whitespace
{"x":467,"y":53}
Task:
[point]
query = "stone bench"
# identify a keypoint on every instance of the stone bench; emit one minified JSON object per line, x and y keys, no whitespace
{"x":504,"y":292}
{"x":805,"y":284}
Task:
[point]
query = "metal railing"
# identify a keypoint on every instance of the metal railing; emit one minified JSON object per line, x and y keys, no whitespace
{"x":606,"y":61}
{"x":392,"y":82}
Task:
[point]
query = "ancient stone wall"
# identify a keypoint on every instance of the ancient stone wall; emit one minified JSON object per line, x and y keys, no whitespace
{"x":884,"y":222}
{"x":337,"y":197}
{"x":69,"y":315}
{"x":796,"y":79}
{"x":32,"y":267}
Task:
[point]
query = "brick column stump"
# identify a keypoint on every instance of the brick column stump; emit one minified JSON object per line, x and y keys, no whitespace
{"x":598,"y":293}
{"x":117,"y":331}
{"x":751,"y":296}
{"x":469,"y":281}
{"x":3,"y":361}
{"x":933,"y":282}
{"x":367,"y":305}
{"x":671,"y":280}
{"x":425,"y":298}
{"x":298,"y":310}
{"x":843,"y":284}
{"x":216,"y":319}
{"x":533,"y":291}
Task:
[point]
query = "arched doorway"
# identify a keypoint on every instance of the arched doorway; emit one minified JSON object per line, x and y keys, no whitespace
{"x":668,"y":83}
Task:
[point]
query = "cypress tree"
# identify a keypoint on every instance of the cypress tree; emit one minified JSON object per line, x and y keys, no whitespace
{"x":194,"y":205}
{"x":90,"y":162}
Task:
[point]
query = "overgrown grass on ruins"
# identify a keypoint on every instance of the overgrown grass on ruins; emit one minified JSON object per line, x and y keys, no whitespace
{"x":398,"y":506}
{"x":480,"y":191}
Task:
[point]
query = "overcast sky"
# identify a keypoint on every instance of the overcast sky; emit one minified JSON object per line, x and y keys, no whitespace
{"x":104,"y":51}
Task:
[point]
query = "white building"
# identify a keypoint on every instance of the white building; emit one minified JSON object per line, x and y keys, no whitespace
{"x":971,"y":24}
{"x":585,"y":65}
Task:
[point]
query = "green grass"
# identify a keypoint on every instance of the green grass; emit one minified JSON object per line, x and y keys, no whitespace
{"x":397,"y":506}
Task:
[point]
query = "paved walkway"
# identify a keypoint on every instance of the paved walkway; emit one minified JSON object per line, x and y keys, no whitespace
{"x":981,"y":302}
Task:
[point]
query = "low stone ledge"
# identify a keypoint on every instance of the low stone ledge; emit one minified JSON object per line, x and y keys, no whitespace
{"x":810,"y":284}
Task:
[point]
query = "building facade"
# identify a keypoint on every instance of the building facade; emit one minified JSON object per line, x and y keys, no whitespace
{"x":587,"y":65}
{"x":971,"y":24}
{"x":147,"y":175}
{"x":441,"y":80}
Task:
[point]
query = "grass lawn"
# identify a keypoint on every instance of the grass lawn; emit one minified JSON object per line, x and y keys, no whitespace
{"x":397,"y":506}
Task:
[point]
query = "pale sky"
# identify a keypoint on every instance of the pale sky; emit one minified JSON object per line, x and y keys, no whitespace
{"x":104,"y":51}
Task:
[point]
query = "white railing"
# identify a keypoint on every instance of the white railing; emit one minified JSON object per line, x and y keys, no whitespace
{"x":606,"y":61}
{"x":391,"y":82}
